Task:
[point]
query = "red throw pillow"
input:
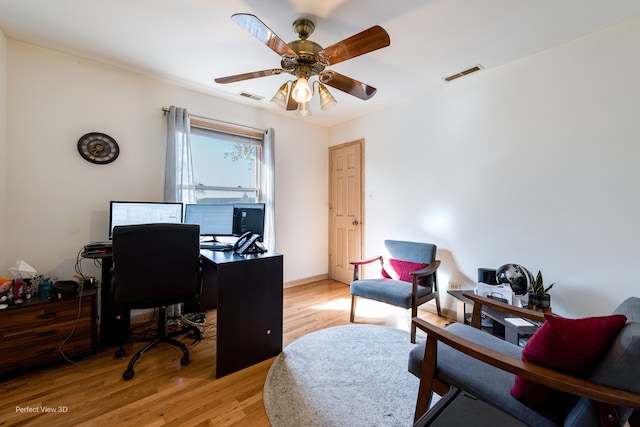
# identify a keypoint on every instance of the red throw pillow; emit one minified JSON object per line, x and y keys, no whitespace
{"x":401,"y":270}
{"x":567,"y":345}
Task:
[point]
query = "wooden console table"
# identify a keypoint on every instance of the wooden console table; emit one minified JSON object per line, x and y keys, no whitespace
{"x":513,"y":329}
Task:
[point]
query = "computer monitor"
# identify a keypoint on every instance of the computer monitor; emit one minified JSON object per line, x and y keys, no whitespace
{"x":248,"y":217}
{"x":133,"y":213}
{"x":214,"y":220}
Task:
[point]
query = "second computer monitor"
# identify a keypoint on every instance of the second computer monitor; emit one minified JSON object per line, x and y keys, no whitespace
{"x":214,"y":220}
{"x":248,"y":217}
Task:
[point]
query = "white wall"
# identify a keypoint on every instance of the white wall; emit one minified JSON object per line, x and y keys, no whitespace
{"x":57,"y":202}
{"x":534,"y":163}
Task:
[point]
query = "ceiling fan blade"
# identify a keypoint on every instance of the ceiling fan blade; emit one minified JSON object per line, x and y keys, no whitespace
{"x":247,"y":76}
{"x":366,"y":41}
{"x":348,"y":85}
{"x":259,"y":30}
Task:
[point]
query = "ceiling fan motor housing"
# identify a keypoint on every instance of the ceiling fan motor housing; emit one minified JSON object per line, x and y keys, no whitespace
{"x":307,"y":63}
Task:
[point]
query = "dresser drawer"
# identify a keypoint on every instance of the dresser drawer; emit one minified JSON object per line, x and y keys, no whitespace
{"x":41,"y":316}
{"x":32,"y":335}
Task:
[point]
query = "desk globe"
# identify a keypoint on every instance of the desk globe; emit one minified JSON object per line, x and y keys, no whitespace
{"x":516,"y":276}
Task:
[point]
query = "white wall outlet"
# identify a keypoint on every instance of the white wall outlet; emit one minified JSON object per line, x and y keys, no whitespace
{"x":454,"y":286}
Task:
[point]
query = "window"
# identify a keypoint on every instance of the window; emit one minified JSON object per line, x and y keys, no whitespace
{"x":226,"y":163}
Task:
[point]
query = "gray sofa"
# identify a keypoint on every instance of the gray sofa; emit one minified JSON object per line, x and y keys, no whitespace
{"x":619,"y":369}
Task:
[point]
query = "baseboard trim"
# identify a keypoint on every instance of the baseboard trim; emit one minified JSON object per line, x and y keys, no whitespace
{"x":446,"y":312}
{"x":305,"y":281}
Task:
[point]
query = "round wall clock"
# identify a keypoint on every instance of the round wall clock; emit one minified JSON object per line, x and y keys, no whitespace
{"x":98,"y":148}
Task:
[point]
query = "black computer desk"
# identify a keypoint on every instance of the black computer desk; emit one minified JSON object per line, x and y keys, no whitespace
{"x":245,"y":290}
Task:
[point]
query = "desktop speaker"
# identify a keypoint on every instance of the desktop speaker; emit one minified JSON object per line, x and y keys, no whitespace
{"x":487,"y":275}
{"x":64,"y":289}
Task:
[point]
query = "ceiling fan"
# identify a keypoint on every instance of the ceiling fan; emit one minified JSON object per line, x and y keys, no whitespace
{"x":304,"y":59}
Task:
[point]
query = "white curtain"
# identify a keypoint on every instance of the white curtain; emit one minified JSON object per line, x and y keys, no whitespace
{"x":179,"y":185}
{"x":268,"y":188}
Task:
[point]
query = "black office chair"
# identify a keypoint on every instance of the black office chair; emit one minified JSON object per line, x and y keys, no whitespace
{"x":156,"y":265}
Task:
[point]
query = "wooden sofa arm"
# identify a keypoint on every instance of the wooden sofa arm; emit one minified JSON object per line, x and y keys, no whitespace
{"x":428,"y":270}
{"x":479,"y":301}
{"x":357,"y":264}
{"x":424,"y":272}
{"x":366,"y":261}
{"x":539,"y":374}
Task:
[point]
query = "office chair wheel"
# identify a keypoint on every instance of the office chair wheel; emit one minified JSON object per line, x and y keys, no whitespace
{"x":185,"y":360}
{"x":120,"y":353}
{"x":128,"y":374}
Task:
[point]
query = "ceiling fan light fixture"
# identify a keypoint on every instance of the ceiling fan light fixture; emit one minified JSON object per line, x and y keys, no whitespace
{"x":327,"y":101}
{"x":304,"y":59}
{"x":303,"y":109}
{"x":301,"y":91}
{"x":280,"y":98}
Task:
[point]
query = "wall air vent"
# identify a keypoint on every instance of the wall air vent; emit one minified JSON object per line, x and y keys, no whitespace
{"x":463,"y":73}
{"x":252,"y":96}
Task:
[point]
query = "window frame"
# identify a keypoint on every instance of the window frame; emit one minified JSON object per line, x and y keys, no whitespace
{"x":255,"y":135}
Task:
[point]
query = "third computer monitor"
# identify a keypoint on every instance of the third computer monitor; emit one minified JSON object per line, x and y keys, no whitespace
{"x":248,"y":217}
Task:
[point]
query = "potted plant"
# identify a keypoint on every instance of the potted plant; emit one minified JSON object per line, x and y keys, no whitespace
{"x":539,"y":297}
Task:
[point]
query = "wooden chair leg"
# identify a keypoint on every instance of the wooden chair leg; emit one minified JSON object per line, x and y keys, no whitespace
{"x":353,"y":308}
{"x":435,"y":289}
{"x":427,"y":375}
{"x":414,"y":313}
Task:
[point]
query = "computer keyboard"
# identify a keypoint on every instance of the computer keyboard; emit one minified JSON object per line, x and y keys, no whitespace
{"x":216,"y":246}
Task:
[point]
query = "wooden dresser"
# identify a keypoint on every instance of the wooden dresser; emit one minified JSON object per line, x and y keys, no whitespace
{"x":35,"y":333}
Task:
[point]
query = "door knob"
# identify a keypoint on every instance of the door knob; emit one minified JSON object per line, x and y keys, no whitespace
{"x":355,"y":222}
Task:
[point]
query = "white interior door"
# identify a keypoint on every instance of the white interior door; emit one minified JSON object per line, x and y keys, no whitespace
{"x":345,"y":209}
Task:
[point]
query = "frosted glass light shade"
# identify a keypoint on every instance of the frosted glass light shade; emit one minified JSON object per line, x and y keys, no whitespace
{"x":303,"y":109}
{"x":327,"y":101}
{"x":301,"y":90}
{"x":280,"y":98}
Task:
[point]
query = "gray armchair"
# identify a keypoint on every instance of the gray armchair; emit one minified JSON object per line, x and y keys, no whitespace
{"x":413,"y":283}
{"x":468,"y":358}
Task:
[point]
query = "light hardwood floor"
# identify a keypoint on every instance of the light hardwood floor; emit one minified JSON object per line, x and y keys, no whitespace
{"x":163,"y":393}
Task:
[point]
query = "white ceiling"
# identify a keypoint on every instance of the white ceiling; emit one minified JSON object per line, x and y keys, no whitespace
{"x":191,"y":42}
